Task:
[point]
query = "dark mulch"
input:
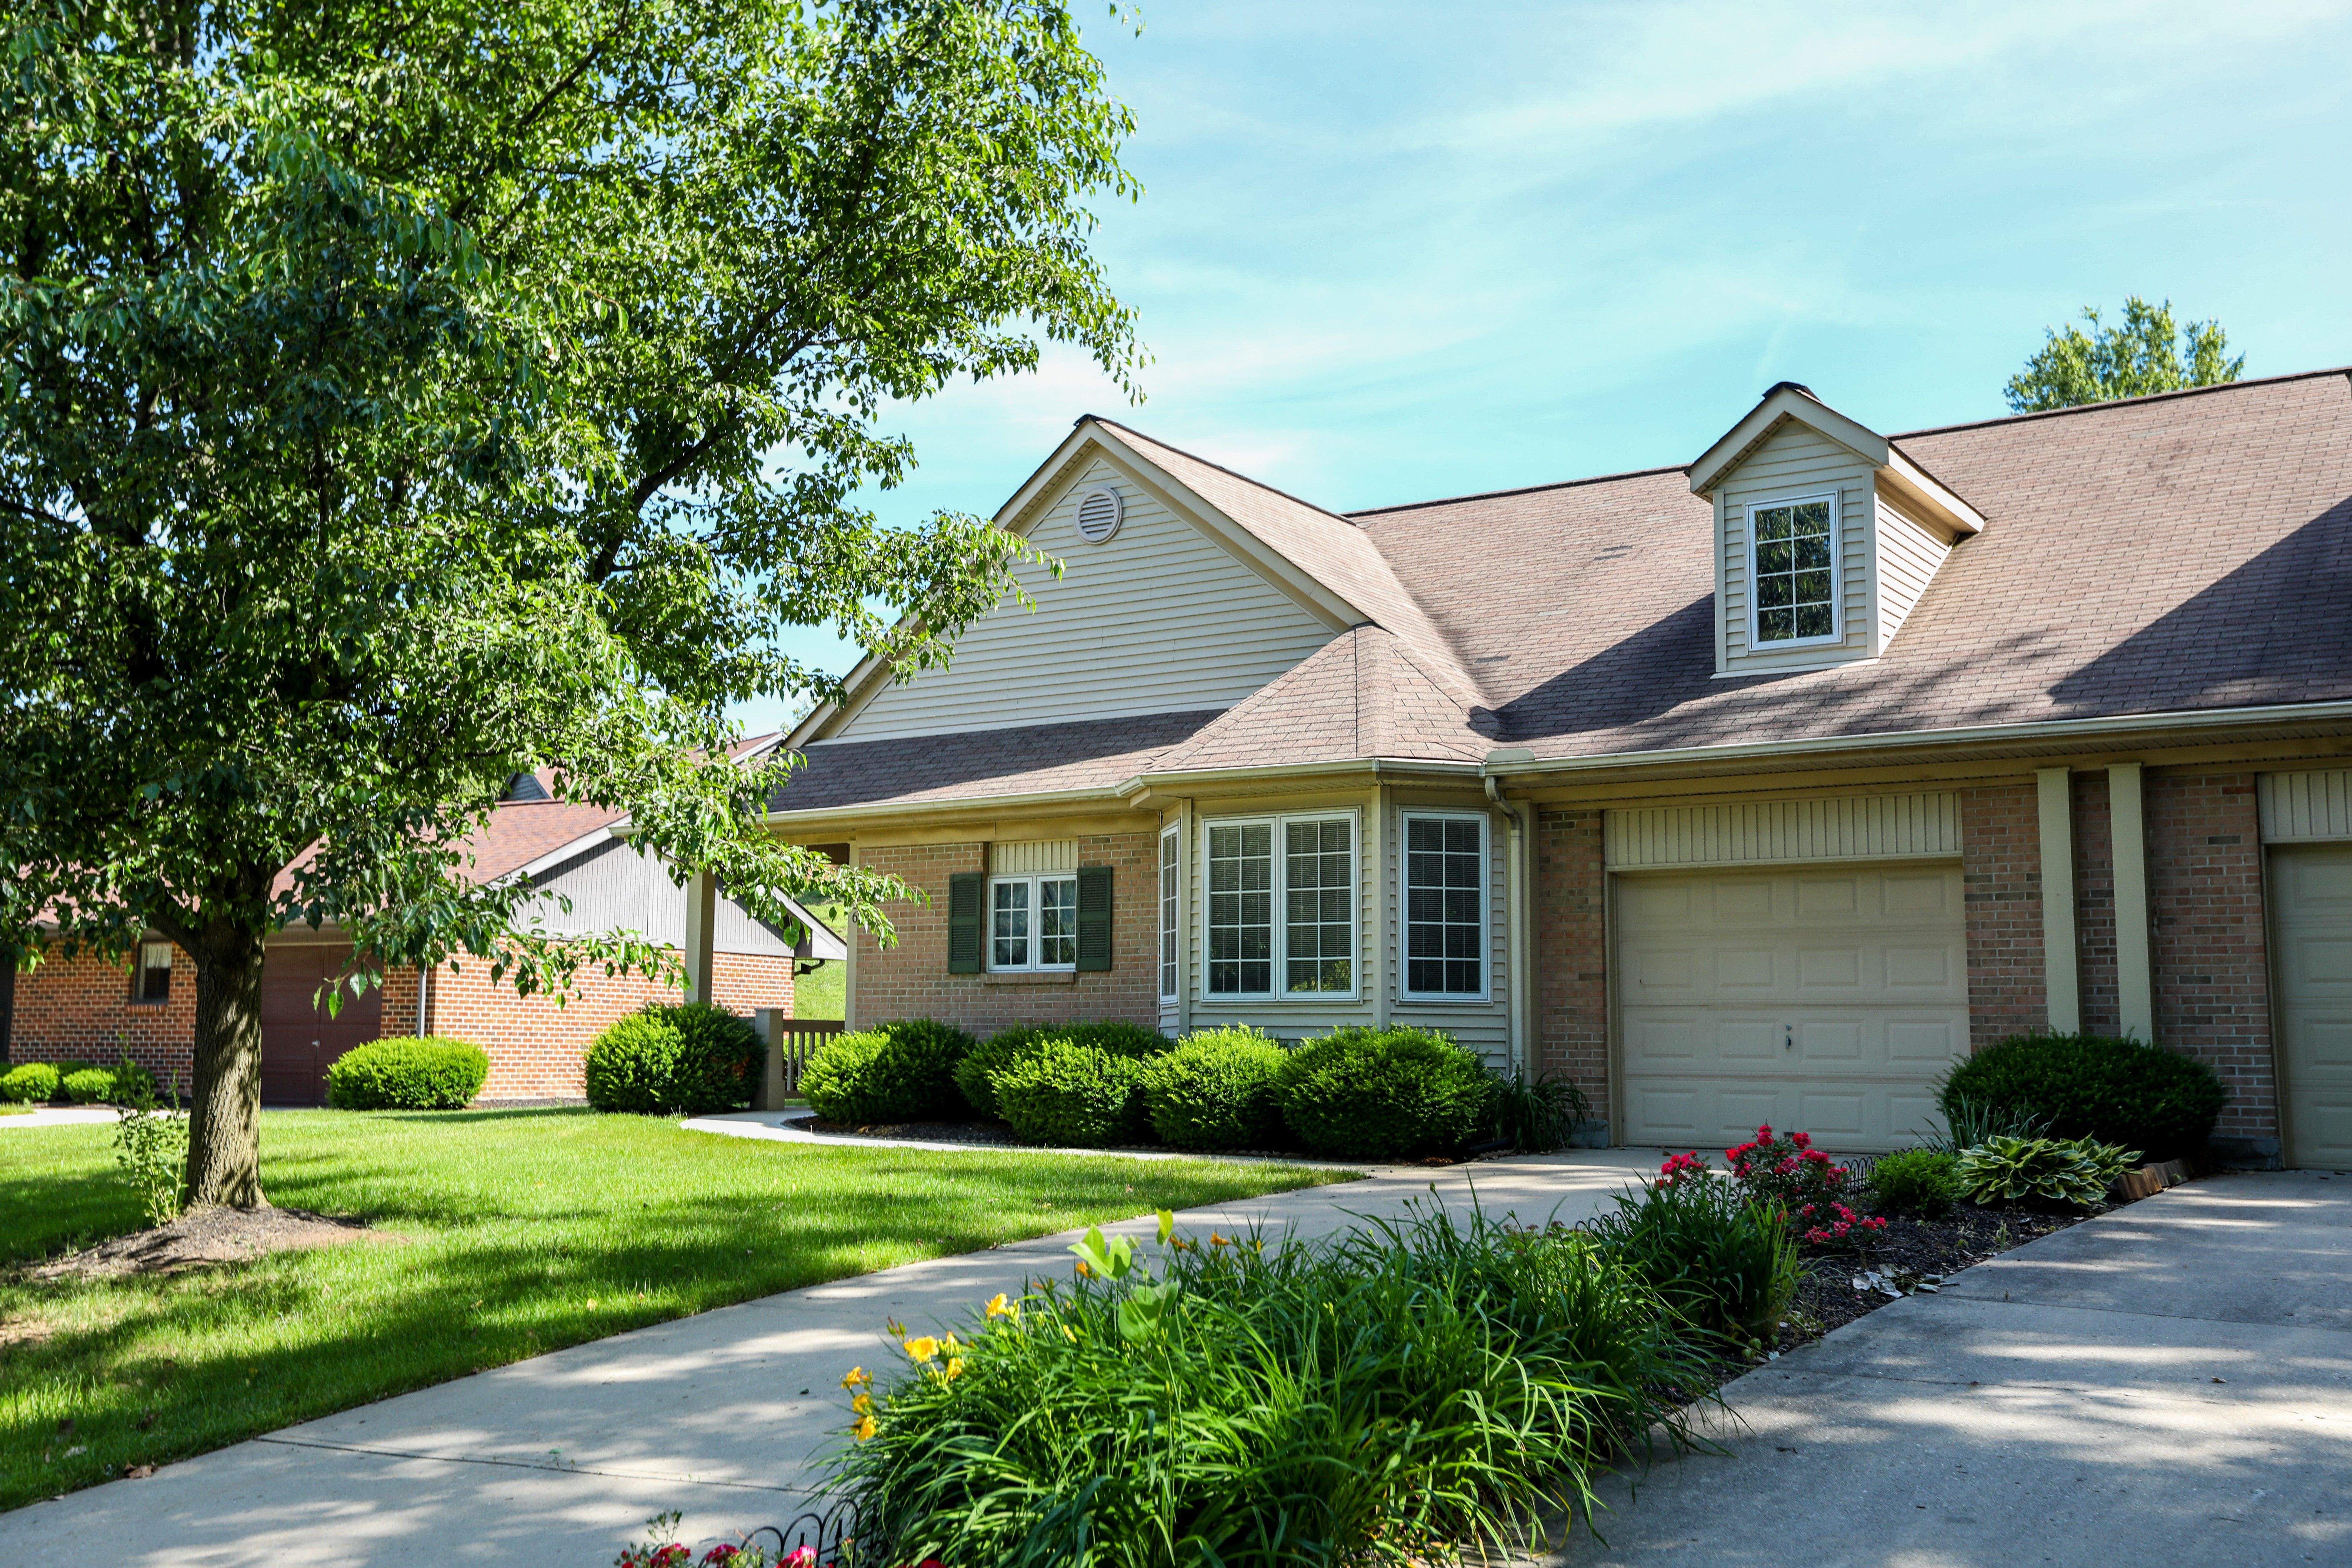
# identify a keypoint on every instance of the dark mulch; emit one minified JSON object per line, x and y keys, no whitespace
{"x":1908,"y":1255}
{"x":205,"y":1237}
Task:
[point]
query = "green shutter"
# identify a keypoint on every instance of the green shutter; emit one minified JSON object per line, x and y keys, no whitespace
{"x":964,"y":889}
{"x":1094,"y":918}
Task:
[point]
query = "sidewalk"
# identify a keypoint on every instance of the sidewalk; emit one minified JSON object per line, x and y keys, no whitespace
{"x":2169,"y":1383}
{"x":727,"y":1415}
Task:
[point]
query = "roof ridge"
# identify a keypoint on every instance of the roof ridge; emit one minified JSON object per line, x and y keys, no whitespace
{"x":2210,"y":387}
{"x":1524,"y":489}
{"x":1229,"y":473}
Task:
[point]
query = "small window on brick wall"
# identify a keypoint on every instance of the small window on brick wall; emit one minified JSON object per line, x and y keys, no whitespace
{"x":154,"y":982}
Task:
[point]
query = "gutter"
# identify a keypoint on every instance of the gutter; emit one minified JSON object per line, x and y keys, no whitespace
{"x":1520,"y":761}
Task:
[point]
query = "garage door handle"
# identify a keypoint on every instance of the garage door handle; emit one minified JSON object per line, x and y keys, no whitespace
{"x":1788,"y":1036}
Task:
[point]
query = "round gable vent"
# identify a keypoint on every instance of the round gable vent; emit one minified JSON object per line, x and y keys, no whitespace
{"x":1099,"y":514}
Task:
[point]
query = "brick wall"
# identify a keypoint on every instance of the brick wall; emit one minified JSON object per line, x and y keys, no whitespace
{"x":2094,"y":904}
{"x":2212,"y":974}
{"x":2000,"y":868}
{"x":80,"y":1009}
{"x":1571,"y":950}
{"x":911,"y":979}
{"x":537,"y":1049}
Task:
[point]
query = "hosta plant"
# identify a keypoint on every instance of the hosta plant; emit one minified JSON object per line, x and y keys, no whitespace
{"x":2073,"y":1171}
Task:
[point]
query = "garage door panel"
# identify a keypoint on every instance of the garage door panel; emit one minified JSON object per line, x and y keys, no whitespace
{"x":1831,"y":1003}
{"x":1653,"y":971}
{"x":2311,"y":887}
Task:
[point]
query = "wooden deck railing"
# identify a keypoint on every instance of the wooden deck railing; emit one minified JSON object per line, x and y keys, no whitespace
{"x":800,"y":1038}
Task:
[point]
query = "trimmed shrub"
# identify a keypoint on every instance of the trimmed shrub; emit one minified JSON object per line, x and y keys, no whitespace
{"x":1726,"y":1262}
{"x":1004,"y":1047}
{"x":1060,"y":1092}
{"x":1378,"y":1094}
{"x":2094,"y":1087}
{"x":901,"y":1071}
{"x":89,"y":1086}
{"x":1923,"y":1182}
{"x":408,"y":1073}
{"x":688,"y":1060}
{"x":1216,"y":1091}
{"x":30,"y":1083}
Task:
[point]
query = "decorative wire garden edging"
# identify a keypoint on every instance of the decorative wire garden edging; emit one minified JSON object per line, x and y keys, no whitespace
{"x":826,"y":1535}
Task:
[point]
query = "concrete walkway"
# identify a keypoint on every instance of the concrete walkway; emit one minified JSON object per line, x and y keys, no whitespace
{"x":2171,"y":1383}
{"x":727,"y":1415}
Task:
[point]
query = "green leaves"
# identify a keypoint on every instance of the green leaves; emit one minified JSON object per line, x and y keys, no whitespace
{"x":2142,"y":355}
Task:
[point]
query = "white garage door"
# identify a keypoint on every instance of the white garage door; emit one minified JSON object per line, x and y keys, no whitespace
{"x":2311,"y":887}
{"x":1826,"y":1001}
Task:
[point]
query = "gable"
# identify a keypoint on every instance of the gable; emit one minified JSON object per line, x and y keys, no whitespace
{"x":1158,"y":619}
{"x":1794,"y":462}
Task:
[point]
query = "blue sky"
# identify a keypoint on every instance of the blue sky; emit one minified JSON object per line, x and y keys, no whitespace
{"x":1387,"y":252}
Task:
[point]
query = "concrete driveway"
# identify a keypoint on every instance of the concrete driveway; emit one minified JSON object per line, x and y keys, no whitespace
{"x":560,"y":1459}
{"x":2170,"y":1385}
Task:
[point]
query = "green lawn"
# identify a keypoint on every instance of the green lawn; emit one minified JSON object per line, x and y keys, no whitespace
{"x":527,"y":1230}
{"x":822,"y":994}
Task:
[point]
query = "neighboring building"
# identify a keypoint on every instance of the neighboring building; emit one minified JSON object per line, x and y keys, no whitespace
{"x":89,"y":1008}
{"x":1758,"y":790}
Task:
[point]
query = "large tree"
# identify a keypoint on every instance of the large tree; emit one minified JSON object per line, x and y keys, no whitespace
{"x":2146,"y":353}
{"x":401,"y":395}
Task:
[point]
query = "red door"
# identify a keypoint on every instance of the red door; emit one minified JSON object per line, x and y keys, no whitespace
{"x":298,"y":1039}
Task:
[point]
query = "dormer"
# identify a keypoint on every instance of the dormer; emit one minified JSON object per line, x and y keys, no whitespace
{"x":1826,"y":535}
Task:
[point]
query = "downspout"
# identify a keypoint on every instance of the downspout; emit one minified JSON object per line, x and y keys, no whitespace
{"x":1515,"y":929}
{"x":1184,"y":828}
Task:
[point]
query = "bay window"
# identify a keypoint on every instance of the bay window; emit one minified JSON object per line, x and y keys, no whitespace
{"x":1282,"y":901}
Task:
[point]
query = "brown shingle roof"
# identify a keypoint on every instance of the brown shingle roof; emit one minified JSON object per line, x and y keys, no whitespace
{"x":1094,"y":753}
{"x":1362,"y":694}
{"x":2166,"y":553}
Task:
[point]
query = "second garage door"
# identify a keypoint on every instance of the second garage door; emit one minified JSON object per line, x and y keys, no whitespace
{"x":1824,"y":1000}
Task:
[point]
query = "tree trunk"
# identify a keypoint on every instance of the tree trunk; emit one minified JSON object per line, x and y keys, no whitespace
{"x":225,"y":1120}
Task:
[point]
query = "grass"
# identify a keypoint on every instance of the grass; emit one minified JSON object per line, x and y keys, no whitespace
{"x":823,"y":993}
{"x":527,"y":1231}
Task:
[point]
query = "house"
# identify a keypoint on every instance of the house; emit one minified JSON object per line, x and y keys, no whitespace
{"x":1754,"y":790}
{"x":89,"y":1008}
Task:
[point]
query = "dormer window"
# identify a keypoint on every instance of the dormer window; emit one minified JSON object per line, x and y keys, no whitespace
{"x":1794,"y":543}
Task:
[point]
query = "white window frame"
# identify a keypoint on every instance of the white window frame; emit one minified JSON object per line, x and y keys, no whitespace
{"x":1756,"y":643}
{"x":1171,"y":921}
{"x":1485,"y":907}
{"x":1036,"y":924}
{"x":1278,"y":970}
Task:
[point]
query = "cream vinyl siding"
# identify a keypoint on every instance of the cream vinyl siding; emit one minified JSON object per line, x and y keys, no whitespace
{"x":614,"y":886}
{"x":1855,"y":827}
{"x":1826,"y":998}
{"x":1158,"y":620}
{"x":2311,"y":807}
{"x":2311,"y":899}
{"x":1908,"y":554}
{"x":1794,"y":461}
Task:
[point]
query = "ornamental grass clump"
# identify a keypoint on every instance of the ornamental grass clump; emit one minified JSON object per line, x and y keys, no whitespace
{"x":1722,"y":1259}
{"x":1394,"y":1396}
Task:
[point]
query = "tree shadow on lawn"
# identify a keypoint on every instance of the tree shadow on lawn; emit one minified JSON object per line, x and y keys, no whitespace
{"x":231,"y":1352}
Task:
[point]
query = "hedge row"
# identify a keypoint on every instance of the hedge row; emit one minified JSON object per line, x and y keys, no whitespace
{"x":1356,"y":1093}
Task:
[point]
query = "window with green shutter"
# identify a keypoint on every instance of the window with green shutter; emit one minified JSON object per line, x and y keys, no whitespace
{"x":964,"y":889}
{"x":1094,"y":918}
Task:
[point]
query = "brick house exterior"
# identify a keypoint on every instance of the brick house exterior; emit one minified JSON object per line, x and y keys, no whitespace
{"x":1788,"y":776}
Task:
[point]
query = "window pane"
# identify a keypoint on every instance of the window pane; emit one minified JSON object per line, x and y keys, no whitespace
{"x":1320,"y":884}
{"x":1011,"y":928}
{"x":1057,"y":920}
{"x":1168,"y":914}
{"x":1796,"y":577}
{"x":1240,"y":910}
{"x":1445,"y":907}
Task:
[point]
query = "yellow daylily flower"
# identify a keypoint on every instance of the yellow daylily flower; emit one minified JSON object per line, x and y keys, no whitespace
{"x":953,"y":1344}
{"x":1082,"y":1271}
{"x":923,"y":1348}
{"x":863,"y":1429}
{"x":1216,"y":1240}
{"x":859,"y":1377}
{"x":955,"y":1367}
{"x":862,"y":1405}
{"x":999,"y":1308}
